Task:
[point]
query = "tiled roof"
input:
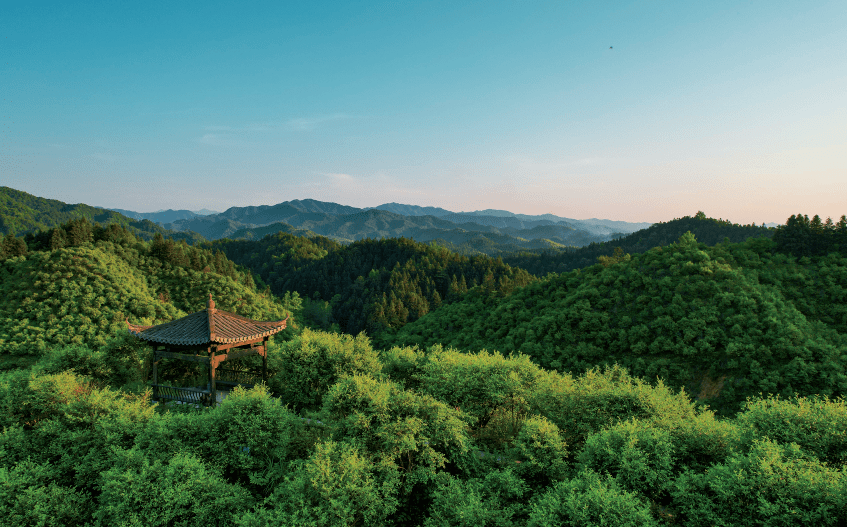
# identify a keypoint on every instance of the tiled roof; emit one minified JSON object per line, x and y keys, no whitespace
{"x":210,"y":326}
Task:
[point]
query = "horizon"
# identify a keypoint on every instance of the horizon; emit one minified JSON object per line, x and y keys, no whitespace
{"x":636,"y":111}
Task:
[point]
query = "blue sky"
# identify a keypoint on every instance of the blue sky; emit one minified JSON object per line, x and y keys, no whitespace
{"x":734,"y":108}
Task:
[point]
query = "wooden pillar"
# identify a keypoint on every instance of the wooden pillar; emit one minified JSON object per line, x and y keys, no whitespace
{"x":155,"y":375}
{"x":265,"y":361}
{"x":212,"y":367}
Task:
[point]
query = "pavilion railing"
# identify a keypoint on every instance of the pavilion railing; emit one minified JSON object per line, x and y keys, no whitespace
{"x":227,"y":377}
{"x":183,"y":395}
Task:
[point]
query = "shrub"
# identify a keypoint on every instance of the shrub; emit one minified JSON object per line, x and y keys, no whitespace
{"x":30,"y":496}
{"x":640,"y":456}
{"x":704,"y":440}
{"x":338,"y":486}
{"x":403,"y":365}
{"x":817,"y":424}
{"x":541,"y":450}
{"x":250,"y":436}
{"x":483,"y":385}
{"x":492,"y":501}
{"x":305,"y":367}
{"x":184,"y":491}
{"x":73,"y":425}
{"x":589,"y":499}
{"x":600,"y":398}
{"x":119,"y":362}
{"x":411,"y":432}
{"x":771,"y":485}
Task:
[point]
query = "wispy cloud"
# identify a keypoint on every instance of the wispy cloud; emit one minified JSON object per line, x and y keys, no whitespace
{"x":255,"y":127}
{"x":302,"y":124}
{"x":340,"y":177}
{"x":104,"y":157}
{"x":530,"y":163}
{"x":224,"y":135}
{"x":216,"y":139}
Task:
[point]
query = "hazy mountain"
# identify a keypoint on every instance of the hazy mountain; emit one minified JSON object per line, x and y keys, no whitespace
{"x":498,"y":233}
{"x":412,"y":210}
{"x":499,"y":222}
{"x":593,"y":225}
{"x":161,"y":217}
{"x":22,"y":213}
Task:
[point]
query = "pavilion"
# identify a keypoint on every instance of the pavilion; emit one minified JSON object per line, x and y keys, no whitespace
{"x":210,"y":336}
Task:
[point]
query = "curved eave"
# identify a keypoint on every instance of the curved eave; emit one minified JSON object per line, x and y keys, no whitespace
{"x":142,"y":332}
{"x":280,"y":325}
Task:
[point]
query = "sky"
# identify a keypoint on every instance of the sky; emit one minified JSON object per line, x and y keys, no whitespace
{"x":638,"y":111}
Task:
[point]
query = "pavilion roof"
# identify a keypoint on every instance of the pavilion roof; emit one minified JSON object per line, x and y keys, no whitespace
{"x":209,"y":326}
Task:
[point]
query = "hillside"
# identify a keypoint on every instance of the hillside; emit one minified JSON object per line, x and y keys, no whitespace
{"x":164,"y":216}
{"x":373,"y":285}
{"x":82,"y":292}
{"x":725,"y":322}
{"x":492,"y":235}
{"x":22,"y":213}
{"x":431,"y":435}
{"x":707,"y":230}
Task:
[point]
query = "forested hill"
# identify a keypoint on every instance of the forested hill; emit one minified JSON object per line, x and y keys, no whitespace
{"x":373,"y":285}
{"x":22,"y":213}
{"x":707,"y":230}
{"x":82,"y":291}
{"x":726,"y":322}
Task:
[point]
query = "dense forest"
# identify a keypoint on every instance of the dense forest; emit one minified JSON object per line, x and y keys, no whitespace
{"x":696,"y":382}
{"x":725,"y":322}
{"x":78,"y":284}
{"x":370,"y":285}
{"x":707,"y":230}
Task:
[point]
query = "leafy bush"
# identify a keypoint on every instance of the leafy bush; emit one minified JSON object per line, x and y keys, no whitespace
{"x":251,"y":436}
{"x":120,"y":362}
{"x":600,"y":398}
{"x":493,"y":501}
{"x":73,"y":425}
{"x":184,"y":491}
{"x":403,"y":365}
{"x":29,"y":496}
{"x":338,"y":486}
{"x":482,"y":385}
{"x":641,"y":457}
{"x":589,"y":499}
{"x":305,"y":367}
{"x":703,"y":440}
{"x":771,"y":485}
{"x":542,"y":451}
{"x":405,"y":429}
{"x":817,"y":424}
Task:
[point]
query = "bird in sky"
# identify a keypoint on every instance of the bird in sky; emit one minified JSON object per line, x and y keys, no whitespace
{"x":610,"y":47}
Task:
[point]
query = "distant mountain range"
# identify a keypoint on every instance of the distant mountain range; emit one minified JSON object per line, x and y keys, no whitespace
{"x":489,"y":231}
{"x":164,"y":216}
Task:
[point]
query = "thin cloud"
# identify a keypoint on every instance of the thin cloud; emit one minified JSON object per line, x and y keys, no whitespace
{"x":215,"y":140}
{"x":255,"y":127}
{"x":104,"y":157}
{"x":340,"y":177}
{"x":303,"y":124}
